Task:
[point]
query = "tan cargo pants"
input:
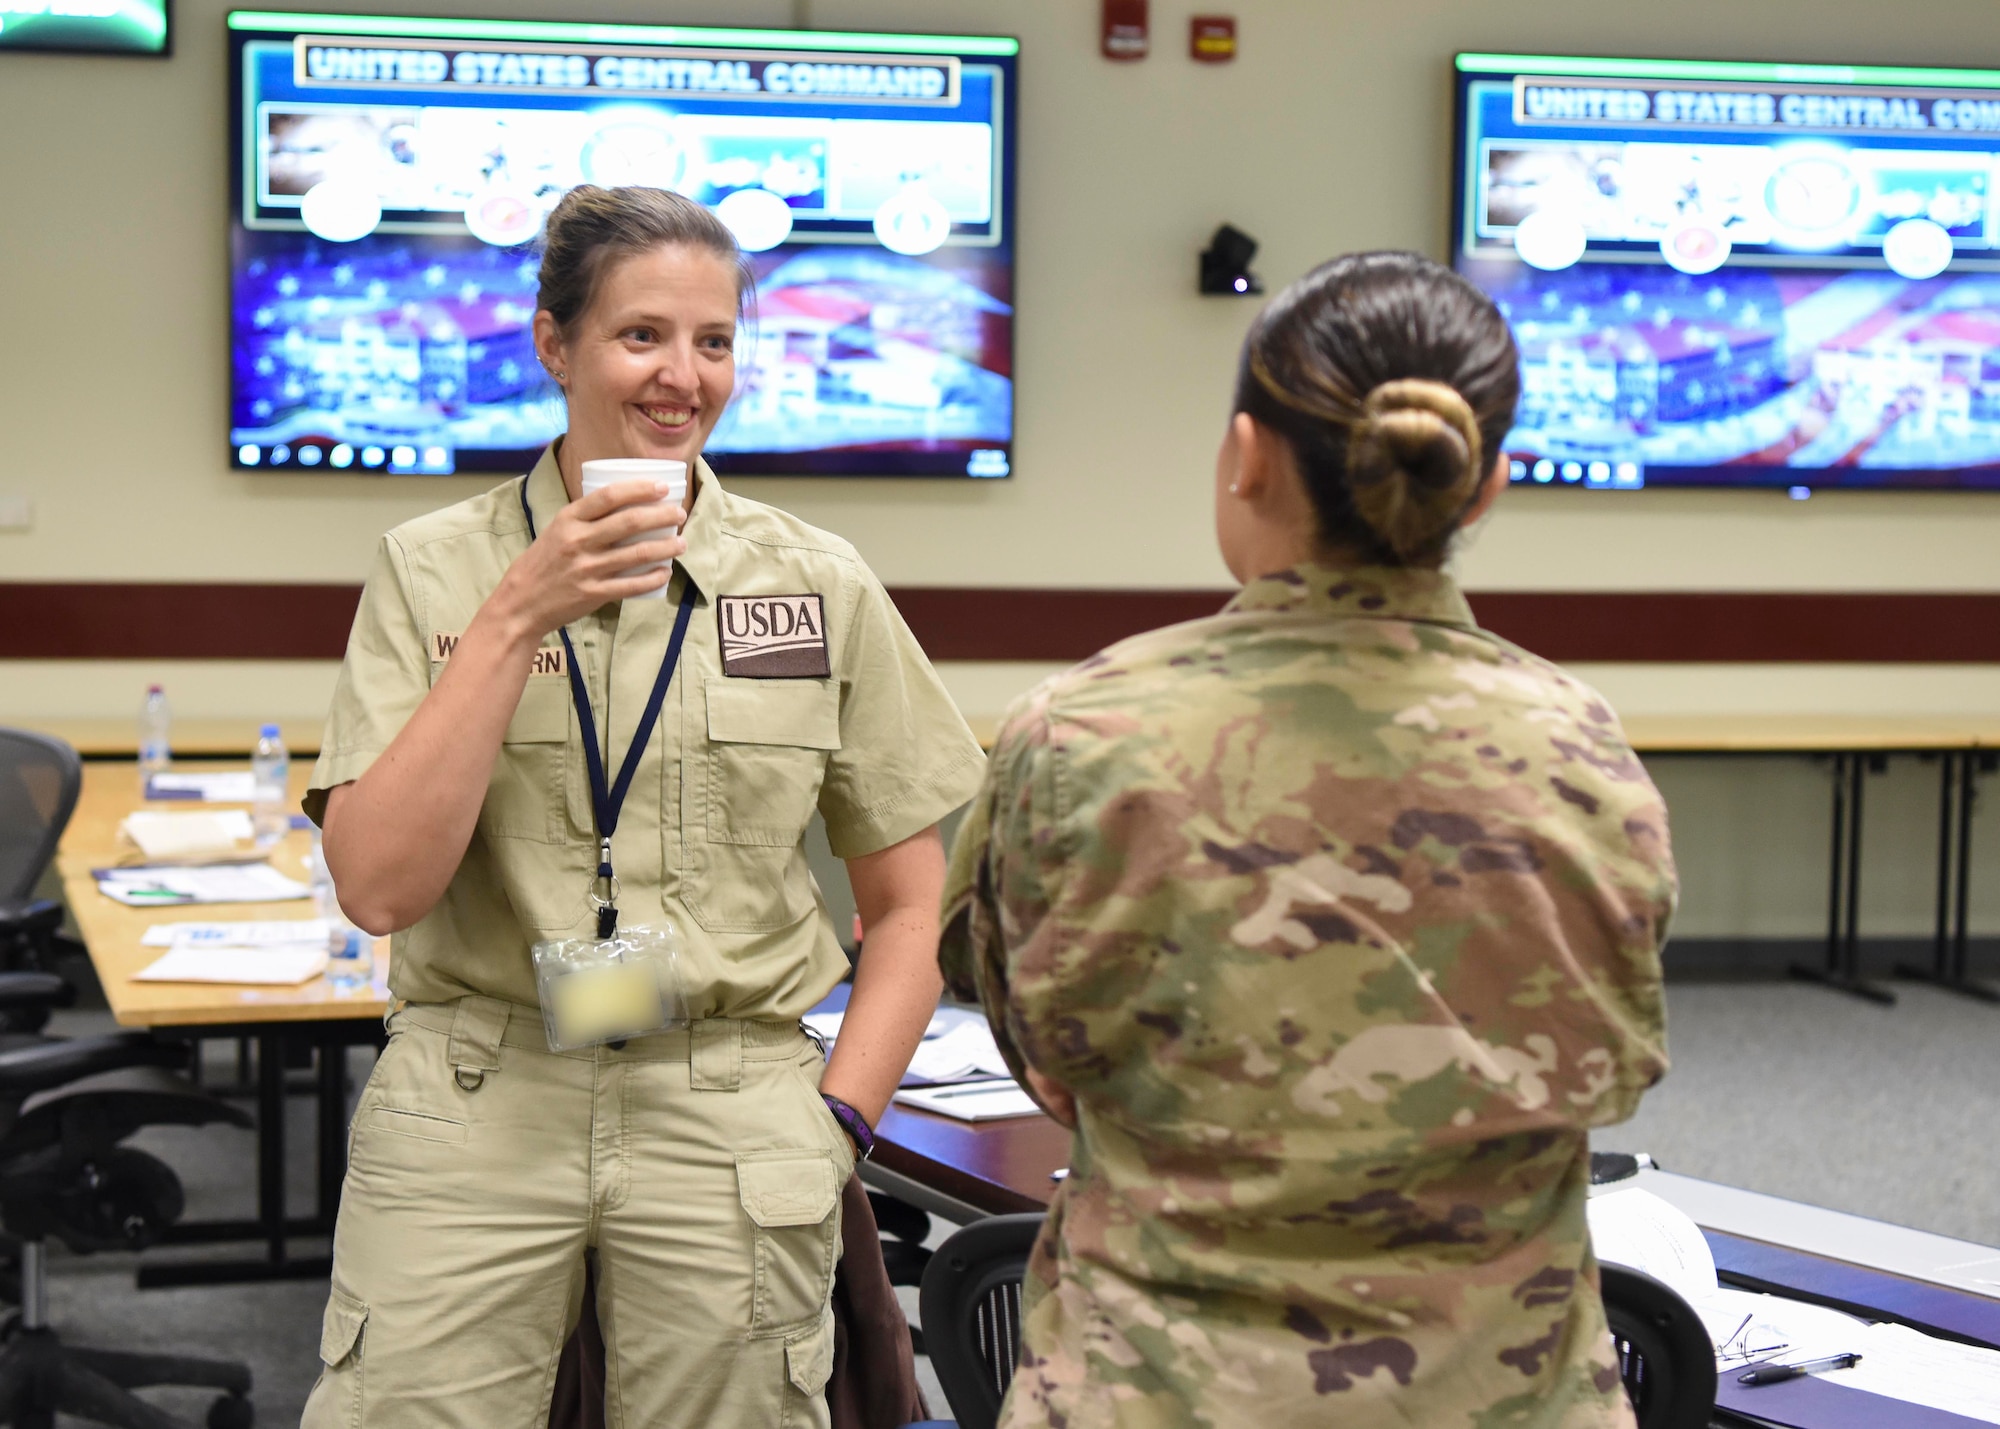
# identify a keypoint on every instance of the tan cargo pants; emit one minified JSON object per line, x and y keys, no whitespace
{"x":699,"y":1165}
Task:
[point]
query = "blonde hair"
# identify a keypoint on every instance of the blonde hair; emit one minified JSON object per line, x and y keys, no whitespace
{"x":1392,"y":379}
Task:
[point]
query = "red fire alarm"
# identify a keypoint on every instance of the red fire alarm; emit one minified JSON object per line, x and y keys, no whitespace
{"x":1125,"y":30}
{"x":1212,"y":38}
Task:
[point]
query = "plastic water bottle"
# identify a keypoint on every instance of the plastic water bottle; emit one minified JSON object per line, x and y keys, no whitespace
{"x":155,"y":720}
{"x":350,"y":953}
{"x":270,"y":776}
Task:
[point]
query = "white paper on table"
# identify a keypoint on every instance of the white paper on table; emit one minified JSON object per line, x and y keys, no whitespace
{"x":827,"y":1024}
{"x":215,"y":883}
{"x":187,"y":838}
{"x":972,"y":1101}
{"x":1638,"y":1229}
{"x":1901,"y":1363}
{"x":275,"y":966}
{"x":967,"y":1050}
{"x":230,"y":786}
{"x":237,"y":935}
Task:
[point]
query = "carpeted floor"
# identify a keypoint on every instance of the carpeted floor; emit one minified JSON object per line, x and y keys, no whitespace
{"x":1887,"y":1112}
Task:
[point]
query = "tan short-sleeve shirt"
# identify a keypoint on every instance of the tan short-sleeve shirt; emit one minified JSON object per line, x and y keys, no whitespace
{"x":799,"y":688}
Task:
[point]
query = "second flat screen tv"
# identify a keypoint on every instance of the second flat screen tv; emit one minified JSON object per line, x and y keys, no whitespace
{"x":391,"y":176}
{"x":1728,"y":274}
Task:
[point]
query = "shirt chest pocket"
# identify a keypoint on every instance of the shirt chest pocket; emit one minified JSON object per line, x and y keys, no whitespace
{"x":525,"y":795}
{"x":764,"y":759}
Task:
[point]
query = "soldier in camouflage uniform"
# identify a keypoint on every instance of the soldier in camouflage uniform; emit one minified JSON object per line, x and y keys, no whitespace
{"x":1331,"y":923}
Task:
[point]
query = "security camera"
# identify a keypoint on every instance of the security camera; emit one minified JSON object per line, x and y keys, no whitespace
{"x":1225,"y":265}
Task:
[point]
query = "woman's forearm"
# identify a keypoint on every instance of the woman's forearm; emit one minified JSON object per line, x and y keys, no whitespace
{"x":394,"y":837}
{"x":897,"y":983}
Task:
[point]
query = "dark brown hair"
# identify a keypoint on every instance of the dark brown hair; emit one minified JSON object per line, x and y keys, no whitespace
{"x":1393,"y":380}
{"x":592,"y":228}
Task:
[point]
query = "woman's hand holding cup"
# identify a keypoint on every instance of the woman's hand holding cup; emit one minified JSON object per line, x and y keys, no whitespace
{"x":615,"y":542}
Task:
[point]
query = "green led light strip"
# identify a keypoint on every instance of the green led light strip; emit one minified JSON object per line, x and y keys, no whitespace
{"x":1557,"y":66}
{"x":417,"y":29}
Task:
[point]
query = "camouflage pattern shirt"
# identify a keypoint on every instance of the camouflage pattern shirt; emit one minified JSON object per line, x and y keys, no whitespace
{"x":1341,"y":919}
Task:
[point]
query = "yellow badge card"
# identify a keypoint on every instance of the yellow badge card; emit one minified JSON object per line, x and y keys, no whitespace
{"x":607,"y":1001}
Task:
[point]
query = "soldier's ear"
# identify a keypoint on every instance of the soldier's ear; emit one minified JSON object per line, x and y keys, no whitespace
{"x":1260,"y":454}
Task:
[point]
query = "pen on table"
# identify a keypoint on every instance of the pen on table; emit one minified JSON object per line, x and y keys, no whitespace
{"x":1778,"y":1373}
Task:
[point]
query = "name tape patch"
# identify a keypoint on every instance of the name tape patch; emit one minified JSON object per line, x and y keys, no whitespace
{"x":549,"y":659}
{"x":773,"y":637}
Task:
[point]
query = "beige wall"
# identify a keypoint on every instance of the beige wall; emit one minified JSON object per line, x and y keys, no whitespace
{"x":1330,"y":133}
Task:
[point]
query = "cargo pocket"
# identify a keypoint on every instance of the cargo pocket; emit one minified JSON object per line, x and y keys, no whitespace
{"x":764,"y":759}
{"x":793,"y":1199}
{"x":809,"y":1357}
{"x":335,"y":1402}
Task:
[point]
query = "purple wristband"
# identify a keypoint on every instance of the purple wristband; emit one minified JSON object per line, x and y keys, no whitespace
{"x":854,"y":1124}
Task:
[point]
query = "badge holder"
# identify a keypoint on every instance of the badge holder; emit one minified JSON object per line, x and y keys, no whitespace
{"x":601,"y":990}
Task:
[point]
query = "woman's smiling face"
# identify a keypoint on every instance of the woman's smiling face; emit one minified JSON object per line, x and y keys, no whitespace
{"x":650,"y":365}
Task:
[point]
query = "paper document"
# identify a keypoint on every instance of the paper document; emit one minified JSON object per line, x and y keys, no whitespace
{"x":1638,"y":1229}
{"x":297,"y":932}
{"x":281,"y":967}
{"x":216,"y":883}
{"x":1906,"y":1364}
{"x":827,"y":1024}
{"x":968,"y":1050}
{"x":228,"y":786}
{"x":972,"y":1101}
{"x":189,"y":838}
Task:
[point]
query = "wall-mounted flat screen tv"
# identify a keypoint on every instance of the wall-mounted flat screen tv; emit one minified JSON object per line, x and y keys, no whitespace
{"x":391,"y":177}
{"x":1730,"y":274}
{"x":95,"y":27}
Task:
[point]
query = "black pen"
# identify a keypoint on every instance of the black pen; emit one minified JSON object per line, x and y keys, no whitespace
{"x":1778,"y":1373}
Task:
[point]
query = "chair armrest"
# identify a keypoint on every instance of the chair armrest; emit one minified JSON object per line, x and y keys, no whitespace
{"x":20,"y":917}
{"x":35,"y":990}
{"x":33,"y":1069}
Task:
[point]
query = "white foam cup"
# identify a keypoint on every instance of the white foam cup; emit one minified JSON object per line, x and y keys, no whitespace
{"x":608,"y":470}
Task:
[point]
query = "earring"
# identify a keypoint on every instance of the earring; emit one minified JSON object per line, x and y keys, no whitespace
{"x":1234,"y":489}
{"x":562,"y":377}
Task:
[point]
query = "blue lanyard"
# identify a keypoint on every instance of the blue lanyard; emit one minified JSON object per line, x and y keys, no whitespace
{"x":606,"y":802}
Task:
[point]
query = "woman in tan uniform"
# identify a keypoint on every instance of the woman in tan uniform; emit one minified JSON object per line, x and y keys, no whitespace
{"x":1331,"y":923}
{"x":504,"y":710}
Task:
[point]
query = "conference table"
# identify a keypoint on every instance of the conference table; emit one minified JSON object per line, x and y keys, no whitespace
{"x":1965,"y":748}
{"x":314,"y":1021}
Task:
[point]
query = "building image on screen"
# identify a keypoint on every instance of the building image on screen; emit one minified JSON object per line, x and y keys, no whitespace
{"x":1737,"y":274}
{"x":392,"y":178}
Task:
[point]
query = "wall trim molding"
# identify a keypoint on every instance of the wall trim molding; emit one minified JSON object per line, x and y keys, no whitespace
{"x":245,"y":621}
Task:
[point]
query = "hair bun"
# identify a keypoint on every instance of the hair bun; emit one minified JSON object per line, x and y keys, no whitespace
{"x":1413,"y":462}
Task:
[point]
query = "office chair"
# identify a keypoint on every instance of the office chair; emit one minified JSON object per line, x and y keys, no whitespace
{"x":971,"y":1308}
{"x":65,"y":1105}
{"x":39,"y":780}
{"x":1664,"y":1353}
{"x":970,"y":1305}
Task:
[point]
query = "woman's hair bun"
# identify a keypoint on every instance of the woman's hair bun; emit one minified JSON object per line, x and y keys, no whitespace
{"x":1394,"y":382}
{"x":1413,"y":462}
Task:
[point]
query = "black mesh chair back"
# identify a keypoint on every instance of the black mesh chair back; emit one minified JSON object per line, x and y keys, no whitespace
{"x":1664,"y":1354}
{"x":39,"y":779}
{"x":970,"y":1305}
